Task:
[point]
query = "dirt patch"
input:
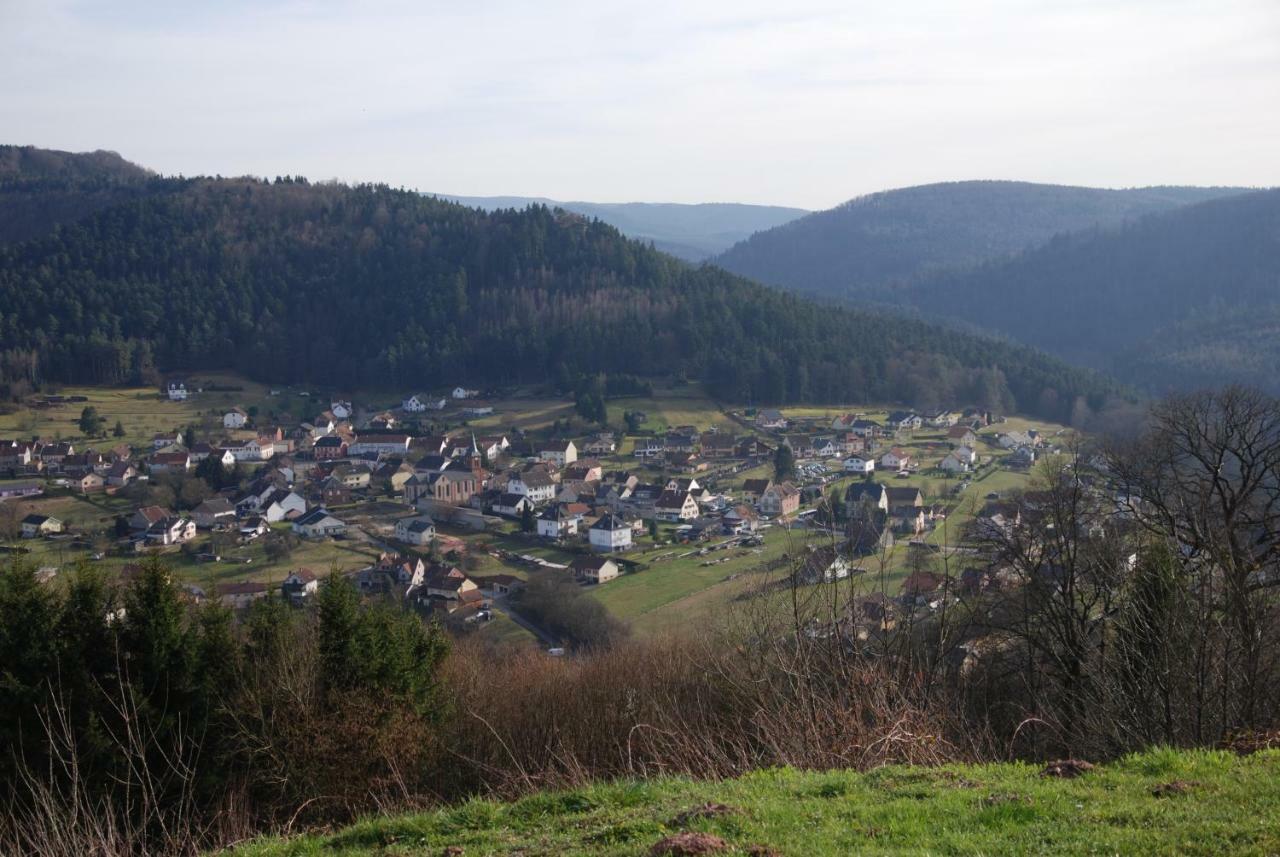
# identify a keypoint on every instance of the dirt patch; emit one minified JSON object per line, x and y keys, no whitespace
{"x":1066,"y":769}
{"x":1175,"y":787}
{"x":688,"y":845}
{"x":707,"y":810}
{"x":763,"y":851}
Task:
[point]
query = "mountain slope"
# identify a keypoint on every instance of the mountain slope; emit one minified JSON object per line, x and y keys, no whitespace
{"x":876,"y":241}
{"x":362,"y":286}
{"x":691,"y":232}
{"x":1187,"y":297}
{"x":40,"y":188}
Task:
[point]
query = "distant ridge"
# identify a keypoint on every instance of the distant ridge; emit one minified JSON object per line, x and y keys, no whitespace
{"x":884,"y":239}
{"x":693,"y":232}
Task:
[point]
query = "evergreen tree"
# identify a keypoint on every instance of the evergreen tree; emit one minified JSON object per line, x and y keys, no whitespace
{"x":784,"y":462}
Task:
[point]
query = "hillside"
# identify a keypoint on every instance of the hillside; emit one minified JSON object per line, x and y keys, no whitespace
{"x":691,"y":232}
{"x":876,"y":241}
{"x":343,"y":286}
{"x":1161,"y":801}
{"x":40,"y":188}
{"x":1184,"y":298}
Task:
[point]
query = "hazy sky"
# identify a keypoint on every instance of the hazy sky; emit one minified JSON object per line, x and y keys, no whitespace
{"x":799,"y":102}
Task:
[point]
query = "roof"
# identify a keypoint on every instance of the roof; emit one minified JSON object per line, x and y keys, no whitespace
{"x":756,"y":486}
{"x":305,"y":575}
{"x":589,"y":563}
{"x":611,"y":522}
{"x":37,"y":520}
{"x":315,"y":516}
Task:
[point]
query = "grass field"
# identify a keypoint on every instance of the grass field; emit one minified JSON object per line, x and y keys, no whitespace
{"x":1158,"y":802}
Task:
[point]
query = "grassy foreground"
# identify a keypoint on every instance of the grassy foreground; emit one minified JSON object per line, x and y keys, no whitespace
{"x":1159,"y":802}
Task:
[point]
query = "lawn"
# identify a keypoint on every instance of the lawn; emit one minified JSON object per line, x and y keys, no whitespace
{"x":1158,"y":802}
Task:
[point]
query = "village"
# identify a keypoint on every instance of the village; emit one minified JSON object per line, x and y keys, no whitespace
{"x":448,"y":501}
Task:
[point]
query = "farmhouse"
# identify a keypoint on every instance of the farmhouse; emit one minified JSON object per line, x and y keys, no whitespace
{"x":13,"y":490}
{"x":170,"y":462}
{"x":594,"y":569}
{"x":380,"y":444}
{"x":176,"y":391}
{"x":172,"y":530}
{"x":235,"y":418}
{"x":300,"y":585}
{"x":675,"y":506}
{"x":896,"y":458}
{"x":770,"y":419}
{"x":318,"y":523}
{"x":212,"y":512}
{"x":40,"y":525}
{"x":240,"y":594}
{"x":415,"y":530}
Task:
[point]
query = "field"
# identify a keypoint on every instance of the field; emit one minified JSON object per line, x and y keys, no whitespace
{"x":1157,"y":802}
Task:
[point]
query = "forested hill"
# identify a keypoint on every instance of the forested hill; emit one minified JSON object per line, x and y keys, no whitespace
{"x":873,"y":242}
{"x":40,"y":188}
{"x":343,"y":286}
{"x":692,"y":232}
{"x":1190,"y":297}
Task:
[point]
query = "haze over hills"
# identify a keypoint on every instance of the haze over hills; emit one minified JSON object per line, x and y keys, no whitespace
{"x":1189,"y":297}
{"x":860,"y":248}
{"x":691,"y":232}
{"x":351,"y":286}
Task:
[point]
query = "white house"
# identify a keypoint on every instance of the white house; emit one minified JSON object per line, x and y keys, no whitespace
{"x":610,"y":533}
{"x":538,"y":488}
{"x":281,"y":504}
{"x":959,"y":460}
{"x":675,"y":506}
{"x":419,"y":402}
{"x":341,"y":410}
{"x":560,"y":452}
{"x":39,"y":525}
{"x":858,"y":464}
{"x":556,"y":522}
{"x":511,"y":505}
{"x":300,"y":585}
{"x":895,"y":459}
{"x":464,"y":393}
{"x":380,"y":444}
{"x":235,"y":418}
{"x":415,"y":530}
{"x":254,"y":449}
{"x":177,"y":391}
{"x":594,"y":569}
{"x":318,"y":523}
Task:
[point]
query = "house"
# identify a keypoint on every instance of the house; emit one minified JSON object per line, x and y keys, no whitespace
{"x":904,"y":421}
{"x":537,"y":485}
{"x":419,"y":402}
{"x":942,"y":419}
{"x":610,"y":533}
{"x":495,"y":585}
{"x":241,"y":594}
{"x":859,"y":464}
{"x":865,"y":499}
{"x":906,"y":509}
{"x":869,"y":535}
{"x":780,"y":501}
{"x":1022,"y":457}
{"x":556,"y":522}
{"x":718,"y":445}
{"x":896,"y":458}
{"x":142,"y":519}
{"x":583,"y":470}
{"x":770,"y":419}
{"x":252,"y":526}
{"x":355,"y":478}
{"x":254,"y":449}
{"x":475,"y":410}
{"x":826,"y":447}
{"x":341,"y":410}
{"x":511,"y":505}
{"x":1015,"y":440}
{"x":170,"y":462}
{"x":824,"y":565}
{"x":173,"y":530}
{"x":864,"y":428}
{"x":452,"y":486}
{"x":753,"y":489}
{"x":741,"y":519}
{"x":236,"y":418}
{"x":680,"y":441}
{"x":751,"y":447}
{"x":380,"y":444}
{"x":559,"y":452}
{"x":464,"y":393}
{"x":675,"y":506}
{"x":41,"y":525}
{"x":603,"y":443}
{"x":962,"y":436}
{"x":959,"y":460}
{"x":318,"y":523}
{"x":213,"y":512}
{"x":329,"y":447}
{"x":383,"y":421}
{"x":176,"y":391}
{"x":649,"y":447}
{"x":13,"y":490}
{"x":300,"y":585}
{"x":594,"y":569}
{"x":164,"y":440}
{"x":87,"y":482}
{"x":416,"y":530}
{"x":281,"y":505}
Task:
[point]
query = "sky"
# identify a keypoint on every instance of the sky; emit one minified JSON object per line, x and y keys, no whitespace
{"x":803,"y":102}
